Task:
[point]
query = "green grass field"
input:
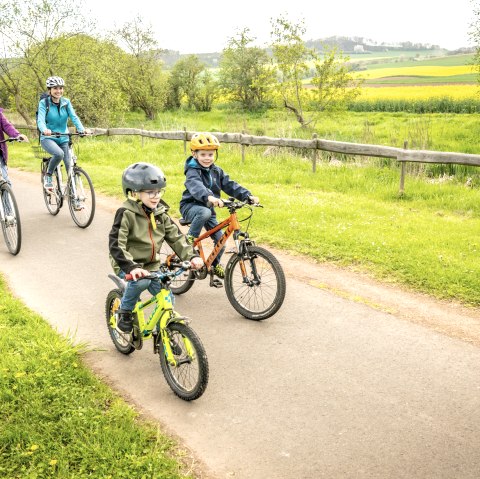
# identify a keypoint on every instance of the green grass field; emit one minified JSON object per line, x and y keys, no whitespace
{"x":350,"y":214}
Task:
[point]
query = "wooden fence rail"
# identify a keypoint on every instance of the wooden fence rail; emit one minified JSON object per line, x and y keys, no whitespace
{"x":400,"y":154}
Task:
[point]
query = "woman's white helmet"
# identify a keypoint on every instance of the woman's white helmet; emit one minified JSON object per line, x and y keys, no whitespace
{"x":54,"y":81}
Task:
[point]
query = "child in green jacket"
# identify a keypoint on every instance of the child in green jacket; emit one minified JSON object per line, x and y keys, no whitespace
{"x":139,"y":229}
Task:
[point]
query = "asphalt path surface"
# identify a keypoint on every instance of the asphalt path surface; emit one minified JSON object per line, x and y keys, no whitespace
{"x":328,"y":387}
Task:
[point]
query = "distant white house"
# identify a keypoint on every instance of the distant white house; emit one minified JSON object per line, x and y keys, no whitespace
{"x":358,"y":49}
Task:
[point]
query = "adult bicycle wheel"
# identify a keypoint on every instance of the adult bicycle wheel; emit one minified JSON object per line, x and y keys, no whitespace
{"x":122,"y":341}
{"x":53,"y":199}
{"x":180,"y":284}
{"x":258,"y":292}
{"x":189,"y":377}
{"x":81,"y":198}
{"x":11,"y":228}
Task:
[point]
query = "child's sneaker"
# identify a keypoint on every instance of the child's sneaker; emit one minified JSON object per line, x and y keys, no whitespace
{"x":190,"y":239}
{"x":219,"y":271}
{"x":48,"y":182}
{"x":125,"y":321}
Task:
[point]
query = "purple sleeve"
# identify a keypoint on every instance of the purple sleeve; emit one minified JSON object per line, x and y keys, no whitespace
{"x":7,"y":127}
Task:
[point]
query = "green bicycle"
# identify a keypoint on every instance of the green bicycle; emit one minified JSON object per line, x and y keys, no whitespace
{"x":182,"y":356}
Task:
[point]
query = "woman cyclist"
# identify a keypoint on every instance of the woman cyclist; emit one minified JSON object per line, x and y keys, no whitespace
{"x":53,"y":114}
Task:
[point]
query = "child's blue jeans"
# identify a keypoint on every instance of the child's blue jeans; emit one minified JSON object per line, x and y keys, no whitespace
{"x":200,"y":216}
{"x":135,"y":288}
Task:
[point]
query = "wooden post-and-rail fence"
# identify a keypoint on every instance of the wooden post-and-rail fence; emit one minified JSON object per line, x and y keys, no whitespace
{"x":400,"y":154}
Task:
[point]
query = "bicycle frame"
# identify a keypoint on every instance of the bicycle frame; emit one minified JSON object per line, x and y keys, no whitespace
{"x":232,"y":226}
{"x":162,"y":315}
{"x":64,"y":186}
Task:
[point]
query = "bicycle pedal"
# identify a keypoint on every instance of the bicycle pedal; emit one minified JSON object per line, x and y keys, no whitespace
{"x":215,"y":283}
{"x":137,"y":340}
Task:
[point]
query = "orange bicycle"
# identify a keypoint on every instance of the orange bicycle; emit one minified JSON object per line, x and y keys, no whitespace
{"x":254,"y":279}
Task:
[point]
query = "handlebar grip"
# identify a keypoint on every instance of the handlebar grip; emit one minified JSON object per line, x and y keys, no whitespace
{"x":129,"y":277}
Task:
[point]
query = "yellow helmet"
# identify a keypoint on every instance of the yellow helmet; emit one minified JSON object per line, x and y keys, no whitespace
{"x":204,"y":141}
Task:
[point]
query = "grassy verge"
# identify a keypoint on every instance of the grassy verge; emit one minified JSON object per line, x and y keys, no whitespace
{"x":58,"y":420}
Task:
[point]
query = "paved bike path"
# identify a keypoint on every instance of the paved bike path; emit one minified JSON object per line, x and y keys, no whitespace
{"x":328,"y":387}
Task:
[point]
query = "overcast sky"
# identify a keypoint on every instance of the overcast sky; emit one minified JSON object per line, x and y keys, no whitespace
{"x":204,"y":26}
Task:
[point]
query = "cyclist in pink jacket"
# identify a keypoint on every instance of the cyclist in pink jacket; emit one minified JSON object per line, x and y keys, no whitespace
{"x":12,"y":132}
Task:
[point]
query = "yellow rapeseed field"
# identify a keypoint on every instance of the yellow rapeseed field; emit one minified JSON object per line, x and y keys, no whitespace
{"x":419,"y":92}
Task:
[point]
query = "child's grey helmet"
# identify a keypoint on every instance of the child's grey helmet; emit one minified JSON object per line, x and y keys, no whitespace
{"x":54,"y":81}
{"x":143,"y":176}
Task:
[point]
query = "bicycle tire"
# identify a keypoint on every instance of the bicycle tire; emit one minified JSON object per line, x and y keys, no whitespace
{"x":82,"y":207}
{"x":54,"y":200}
{"x":11,"y":227}
{"x":262,"y":296}
{"x":189,"y":378}
{"x":122,"y":342}
{"x":180,"y":284}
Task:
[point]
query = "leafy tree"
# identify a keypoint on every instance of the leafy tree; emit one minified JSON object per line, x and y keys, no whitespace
{"x":291,"y":57}
{"x":191,"y":81}
{"x":141,"y":77}
{"x":91,"y":74}
{"x":31,"y":35}
{"x":332,"y":83}
{"x":245,"y":73}
{"x":207,"y":92}
{"x":188,"y":71}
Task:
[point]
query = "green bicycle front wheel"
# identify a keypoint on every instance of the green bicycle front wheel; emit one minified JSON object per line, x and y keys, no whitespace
{"x":188,"y":378}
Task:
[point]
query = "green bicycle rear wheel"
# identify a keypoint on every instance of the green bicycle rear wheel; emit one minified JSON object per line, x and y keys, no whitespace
{"x":122,"y":341}
{"x":189,"y":377}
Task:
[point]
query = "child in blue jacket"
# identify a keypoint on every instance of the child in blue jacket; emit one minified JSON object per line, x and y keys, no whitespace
{"x":204,"y":183}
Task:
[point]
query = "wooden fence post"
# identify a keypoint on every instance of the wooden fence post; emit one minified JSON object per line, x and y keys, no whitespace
{"x":185,"y":141}
{"x":402,"y":172}
{"x":314,"y":159}
{"x":243,"y":149}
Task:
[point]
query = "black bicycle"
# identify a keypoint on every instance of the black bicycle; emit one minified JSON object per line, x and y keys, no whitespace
{"x":78,"y":189}
{"x":9,"y":214}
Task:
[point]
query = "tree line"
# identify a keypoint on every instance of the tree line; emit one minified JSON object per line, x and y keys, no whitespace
{"x":122,"y":71}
